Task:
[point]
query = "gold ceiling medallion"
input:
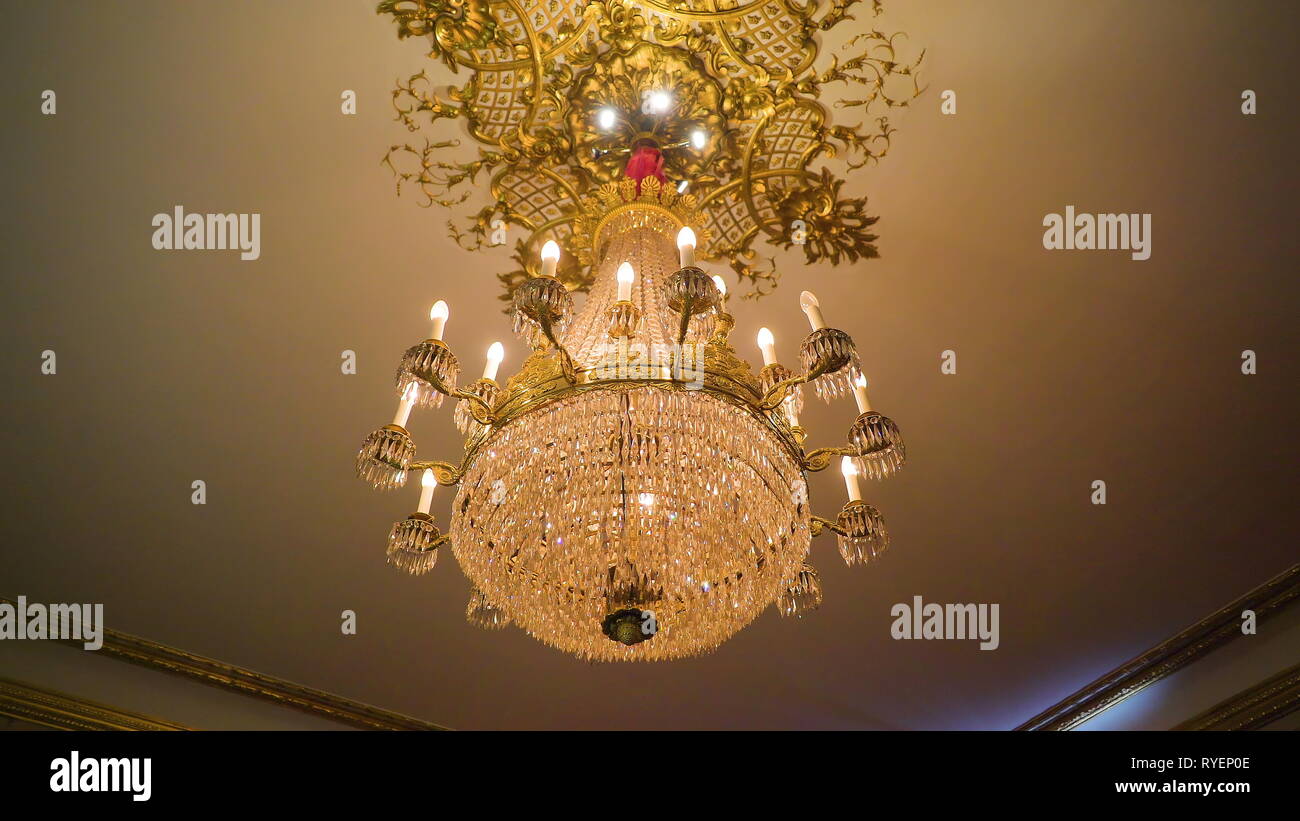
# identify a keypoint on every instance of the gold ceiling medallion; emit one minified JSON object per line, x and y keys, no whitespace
{"x":744,"y":128}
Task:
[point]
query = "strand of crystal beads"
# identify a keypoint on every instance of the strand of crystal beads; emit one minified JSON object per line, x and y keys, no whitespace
{"x":384,"y":456}
{"x":537,"y":297}
{"x":878,"y":445}
{"x":410,"y":544}
{"x":866,"y":536}
{"x":694,"y":494}
{"x":774,"y":374}
{"x":482,"y":613}
{"x":834,"y":346}
{"x":804,"y":594}
{"x":487,"y":390}
{"x":423,"y":363}
{"x":644,"y":239}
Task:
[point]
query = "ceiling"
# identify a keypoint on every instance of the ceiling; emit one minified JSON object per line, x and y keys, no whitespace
{"x":1072,"y":366}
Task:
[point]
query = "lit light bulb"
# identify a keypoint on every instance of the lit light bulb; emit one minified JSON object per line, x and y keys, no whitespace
{"x":647,"y":499}
{"x":550,"y":258}
{"x":860,"y":393}
{"x":438,"y":313}
{"x":404,"y":406}
{"x":850,"y":472}
{"x":607,"y":118}
{"x":659,"y":101}
{"x":767,"y":344}
{"x":722,"y":287}
{"x":427,"y":484}
{"x":686,"y":246}
{"x":812,"y":309}
{"x":625,"y":276}
{"x":699,"y":139}
{"x":496,"y":352}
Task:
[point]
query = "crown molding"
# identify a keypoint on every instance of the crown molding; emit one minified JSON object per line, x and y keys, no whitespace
{"x":1252,"y":708}
{"x":215,"y":673}
{"x":1169,"y":656}
{"x":50,"y":708}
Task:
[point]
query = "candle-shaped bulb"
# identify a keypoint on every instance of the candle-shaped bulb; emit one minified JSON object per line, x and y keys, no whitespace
{"x":767,"y":344}
{"x":625,"y":276}
{"x":550,"y":258}
{"x":438,"y":313}
{"x":699,"y":139}
{"x":850,"y":472}
{"x":404,"y":406}
{"x":860,"y":393}
{"x":722,"y":285}
{"x":607,"y":118}
{"x":496,"y":353}
{"x":812,"y":309}
{"x":686,"y":246}
{"x":427,"y":484}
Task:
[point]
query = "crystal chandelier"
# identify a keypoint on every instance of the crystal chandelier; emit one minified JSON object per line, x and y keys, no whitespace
{"x":635,"y":491}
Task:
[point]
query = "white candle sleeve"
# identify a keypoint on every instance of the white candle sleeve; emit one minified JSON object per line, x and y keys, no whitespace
{"x":686,"y":247}
{"x":404,"y":407}
{"x":625,"y":276}
{"x":850,"y":472}
{"x":767,"y":344}
{"x":812,"y":309}
{"x":427,"y":484}
{"x":438,"y":314}
{"x":494,"y":356}
{"x":550,"y":258}
{"x":860,"y":393}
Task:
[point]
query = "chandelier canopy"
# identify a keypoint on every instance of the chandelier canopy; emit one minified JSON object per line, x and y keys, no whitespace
{"x":636,"y":490}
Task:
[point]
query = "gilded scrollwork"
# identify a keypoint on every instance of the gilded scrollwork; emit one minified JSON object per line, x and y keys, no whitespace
{"x":745,"y":129}
{"x":451,"y":25}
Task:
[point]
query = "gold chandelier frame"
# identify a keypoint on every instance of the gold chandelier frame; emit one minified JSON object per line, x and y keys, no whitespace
{"x":544,"y":379}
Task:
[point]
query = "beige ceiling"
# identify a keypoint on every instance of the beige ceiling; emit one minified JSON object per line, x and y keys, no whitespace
{"x":1072,"y":367}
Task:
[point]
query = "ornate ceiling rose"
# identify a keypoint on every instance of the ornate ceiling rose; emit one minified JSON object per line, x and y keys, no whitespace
{"x":745,"y":79}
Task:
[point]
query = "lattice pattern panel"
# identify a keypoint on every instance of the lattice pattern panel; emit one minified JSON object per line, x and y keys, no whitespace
{"x":535,"y":197}
{"x":729,"y":220}
{"x":546,"y":16}
{"x":499,"y":103}
{"x":777,"y":39}
{"x":788,"y":138}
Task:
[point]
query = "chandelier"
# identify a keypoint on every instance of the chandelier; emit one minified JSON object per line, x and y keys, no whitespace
{"x":635,"y":491}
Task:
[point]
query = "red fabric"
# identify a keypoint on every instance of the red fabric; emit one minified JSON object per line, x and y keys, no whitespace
{"x":646,"y":161}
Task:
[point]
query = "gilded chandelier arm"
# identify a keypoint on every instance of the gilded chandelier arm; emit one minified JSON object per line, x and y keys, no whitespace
{"x":774,"y":397}
{"x":819,"y":525}
{"x":820,"y":459}
{"x":478,"y":407}
{"x":445,"y":472}
{"x":566,"y":361}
